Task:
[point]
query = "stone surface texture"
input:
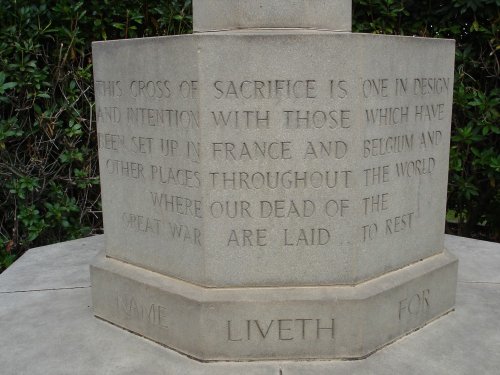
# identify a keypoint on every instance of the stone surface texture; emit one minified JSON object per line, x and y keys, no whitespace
{"x":218,"y":213}
{"x":243,"y":14}
{"x":49,"y":328}
{"x":274,"y":323}
{"x":273,"y":188}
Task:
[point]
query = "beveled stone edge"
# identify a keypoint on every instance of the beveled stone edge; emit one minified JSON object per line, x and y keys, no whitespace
{"x":273,"y":32}
{"x":256,"y":30}
{"x":199,"y":293}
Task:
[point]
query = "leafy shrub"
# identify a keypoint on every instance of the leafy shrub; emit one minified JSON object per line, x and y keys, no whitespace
{"x":49,"y":185}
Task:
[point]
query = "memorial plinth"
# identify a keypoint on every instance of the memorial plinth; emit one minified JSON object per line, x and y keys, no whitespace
{"x":270,"y":190}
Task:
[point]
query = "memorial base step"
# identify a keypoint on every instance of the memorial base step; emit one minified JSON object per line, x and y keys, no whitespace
{"x":268,"y":323}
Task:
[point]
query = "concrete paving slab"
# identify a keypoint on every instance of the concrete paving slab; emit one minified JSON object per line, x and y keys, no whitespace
{"x":55,"y":332}
{"x":62,"y":265}
{"x":479,"y":260}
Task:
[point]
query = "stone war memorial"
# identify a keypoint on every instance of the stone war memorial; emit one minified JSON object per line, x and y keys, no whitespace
{"x":274,"y":186}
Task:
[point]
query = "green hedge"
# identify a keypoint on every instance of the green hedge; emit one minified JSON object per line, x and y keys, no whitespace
{"x":474,"y":179}
{"x":49,"y":185}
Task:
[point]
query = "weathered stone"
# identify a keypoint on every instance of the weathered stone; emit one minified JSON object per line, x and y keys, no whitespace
{"x":274,"y":323}
{"x":260,"y":180}
{"x":312,"y":174}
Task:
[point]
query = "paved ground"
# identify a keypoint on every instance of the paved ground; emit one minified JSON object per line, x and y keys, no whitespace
{"x":47,"y":326}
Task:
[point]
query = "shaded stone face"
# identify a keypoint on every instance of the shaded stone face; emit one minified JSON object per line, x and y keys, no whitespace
{"x":215,"y":15}
{"x":274,"y":159}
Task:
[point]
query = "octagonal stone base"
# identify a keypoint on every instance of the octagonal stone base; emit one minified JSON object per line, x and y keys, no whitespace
{"x":325,"y":322}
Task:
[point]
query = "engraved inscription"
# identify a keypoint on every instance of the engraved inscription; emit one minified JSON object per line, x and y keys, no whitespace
{"x":177,"y":204}
{"x":185,"y":233}
{"x":151,"y":143}
{"x":398,"y":137}
{"x":303,"y":329}
{"x":242,"y":119}
{"x":168,"y":118}
{"x":389,"y":145}
{"x":151,"y":89}
{"x":251,"y":151}
{"x":387,"y":116}
{"x":319,"y":119}
{"x":108,"y":88}
{"x":322,"y":150}
{"x":153,"y":314}
{"x":415,"y":305}
{"x":256,"y":89}
{"x":287,"y":180}
{"x":306,"y":237}
{"x":138,"y":223}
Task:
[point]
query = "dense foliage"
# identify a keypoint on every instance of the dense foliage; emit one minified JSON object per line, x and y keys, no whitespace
{"x":49,"y":185}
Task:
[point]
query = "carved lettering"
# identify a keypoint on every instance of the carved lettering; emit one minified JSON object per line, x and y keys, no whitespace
{"x":415,"y":305}
{"x":139,"y":223}
{"x":153,"y":314}
{"x":242,"y":119}
{"x":388,"y":145}
{"x":276,"y":330}
{"x":179,"y":177}
{"x":431,"y":86}
{"x":108,"y":89}
{"x":153,"y":139}
{"x":111,"y":142}
{"x":431,"y":139}
{"x":280,"y":179}
{"x":331,"y":119}
{"x":401,"y":86}
{"x":377,"y":175}
{"x":429,"y":112}
{"x":177,"y":204}
{"x":185,"y":233}
{"x":247,"y":238}
{"x":376,"y":203}
{"x":110,"y":115}
{"x":275,"y":89}
{"x":230,"y":209}
{"x":399,"y":224}
{"x":287,"y":209}
{"x":306,"y":237}
{"x":251,"y":150}
{"x":188,"y":89}
{"x":369,"y":231}
{"x":414,"y":168}
{"x":321,"y":150}
{"x":336,"y":207}
{"x":168,"y":147}
{"x":387,"y":116}
{"x":150,"y":89}
{"x":169,"y":118}
{"x":338,"y":89}
{"x":126,"y":169}
{"x":376,"y":87}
